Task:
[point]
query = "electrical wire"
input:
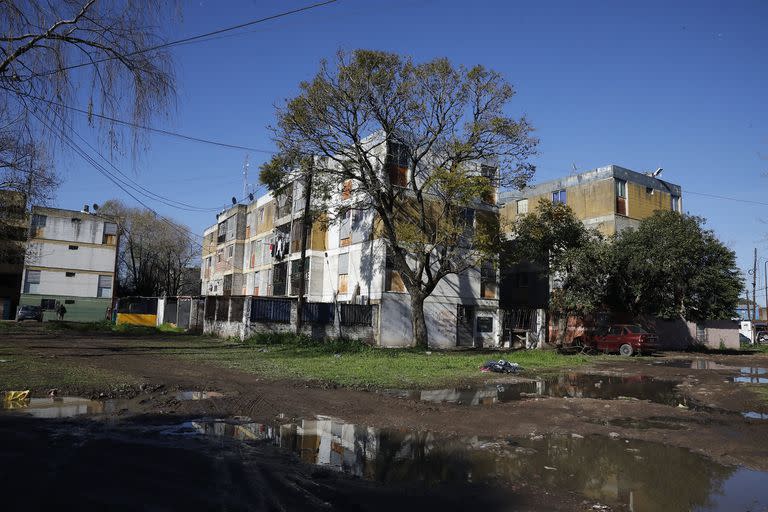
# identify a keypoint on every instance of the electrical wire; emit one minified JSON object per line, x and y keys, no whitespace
{"x":140,"y":126}
{"x":187,"y":40}
{"x":85,"y":156}
{"x":726,"y":198}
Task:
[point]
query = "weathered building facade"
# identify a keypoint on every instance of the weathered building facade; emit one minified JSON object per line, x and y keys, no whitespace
{"x":608,"y":199}
{"x":346,"y":262}
{"x":71,"y":259}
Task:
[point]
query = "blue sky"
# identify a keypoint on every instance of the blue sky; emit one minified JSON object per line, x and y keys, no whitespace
{"x":678,"y":85}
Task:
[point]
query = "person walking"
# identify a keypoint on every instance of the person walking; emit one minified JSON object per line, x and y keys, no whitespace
{"x":61,"y":310}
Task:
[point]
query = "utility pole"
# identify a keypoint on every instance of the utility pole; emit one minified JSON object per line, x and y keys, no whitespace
{"x":754,"y":285}
{"x":305,"y":227}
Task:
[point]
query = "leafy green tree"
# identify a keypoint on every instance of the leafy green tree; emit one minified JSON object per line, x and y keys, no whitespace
{"x":407,"y":140}
{"x":670,"y":266}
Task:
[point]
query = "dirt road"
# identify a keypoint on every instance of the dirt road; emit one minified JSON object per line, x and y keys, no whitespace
{"x":681,"y":401}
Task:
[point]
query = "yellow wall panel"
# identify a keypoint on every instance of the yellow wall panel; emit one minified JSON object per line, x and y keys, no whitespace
{"x":641,"y":204}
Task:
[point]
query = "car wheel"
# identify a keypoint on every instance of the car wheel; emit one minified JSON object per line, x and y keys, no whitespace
{"x":625,"y":350}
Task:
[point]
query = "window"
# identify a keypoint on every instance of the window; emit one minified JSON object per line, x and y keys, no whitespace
{"x":559,"y":197}
{"x":73,"y":247}
{"x":38,"y":223}
{"x":397,"y":164}
{"x":48,"y":304}
{"x":230,"y":252}
{"x":520,"y":280}
{"x":621,"y":188}
{"x":485,"y":324}
{"x":522,"y":206}
{"x":296,"y":275}
{"x":489,"y":173}
{"x":32,"y":281}
{"x":110,"y":233}
{"x":392,"y":280}
{"x":467,"y":222}
{"x":343,"y":273}
{"x":359,"y":233}
{"x":345,"y":228}
{"x":488,"y":280}
{"x":621,"y":197}
{"x":105,"y":287}
{"x":69,"y":301}
{"x":69,"y":274}
{"x":222,"y":233}
{"x":675,"y":203}
{"x":346,"y":190}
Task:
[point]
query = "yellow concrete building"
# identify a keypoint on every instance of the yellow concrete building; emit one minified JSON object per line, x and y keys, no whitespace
{"x":609,"y":198}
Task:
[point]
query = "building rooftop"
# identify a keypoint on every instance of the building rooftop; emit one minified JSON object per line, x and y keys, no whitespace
{"x":609,"y":171}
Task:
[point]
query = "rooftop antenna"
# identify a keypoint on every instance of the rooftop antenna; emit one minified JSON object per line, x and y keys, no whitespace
{"x":245,"y":175}
{"x":575,"y":169}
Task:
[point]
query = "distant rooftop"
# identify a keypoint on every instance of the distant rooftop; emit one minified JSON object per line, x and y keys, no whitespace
{"x":601,"y":173}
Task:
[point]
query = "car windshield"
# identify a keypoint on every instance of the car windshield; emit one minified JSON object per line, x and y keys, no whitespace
{"x":636,"y":329}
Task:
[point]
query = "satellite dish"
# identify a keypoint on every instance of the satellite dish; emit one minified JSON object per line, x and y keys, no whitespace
{"x":95,"y":207}
{"x":250,"y":196}
{"x":234,"y":200}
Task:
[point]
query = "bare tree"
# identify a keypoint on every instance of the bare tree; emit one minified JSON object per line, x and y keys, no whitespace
{"x":154,"y":251}
{"x":54,"y":54}
{"x":423,"y":145}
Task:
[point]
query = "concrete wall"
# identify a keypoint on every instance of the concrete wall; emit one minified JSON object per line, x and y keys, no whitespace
{"x":441,"y":319}
{"x":227,"y":327}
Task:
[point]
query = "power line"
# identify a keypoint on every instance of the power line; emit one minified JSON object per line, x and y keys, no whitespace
{"x":726,"y":198}
{"x":83,"y":154}
{"x":140,"y":126}
{"x":190,"y":39}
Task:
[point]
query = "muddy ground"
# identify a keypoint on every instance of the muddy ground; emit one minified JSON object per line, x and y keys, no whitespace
{"x":122,"y":459}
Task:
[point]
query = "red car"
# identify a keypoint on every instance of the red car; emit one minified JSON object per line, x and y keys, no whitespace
{"x":626,"y":339}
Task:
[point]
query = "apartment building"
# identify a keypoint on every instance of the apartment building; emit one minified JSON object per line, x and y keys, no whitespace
{"x":13,"y":234}
{"x":609,"y":199}
{"x":346,"y":262}
{"x":71,"y":259}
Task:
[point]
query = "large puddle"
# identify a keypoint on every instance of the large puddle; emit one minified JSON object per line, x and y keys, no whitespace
{"x":743,"y":374}
{"x":573,"y":385}
{"x":643,"y":476}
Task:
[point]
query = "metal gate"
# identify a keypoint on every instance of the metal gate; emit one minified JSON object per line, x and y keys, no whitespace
{"x":465,"y":326}
{"x":169,"y":311}
{"x":184,"y":313}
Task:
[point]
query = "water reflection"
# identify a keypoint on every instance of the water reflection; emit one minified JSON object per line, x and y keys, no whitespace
{"x":59,"y":407}
{"x":573,"y":385}
{"x":198,"y":395}
{"x":643,"y":476}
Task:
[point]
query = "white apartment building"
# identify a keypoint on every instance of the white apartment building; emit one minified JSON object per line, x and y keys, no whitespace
{"x":347,"y":263}
{"x":70,"y":259}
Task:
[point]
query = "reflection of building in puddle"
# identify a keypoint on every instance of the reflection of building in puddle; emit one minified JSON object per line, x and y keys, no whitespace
{"x":751,"y":375}
{"x":60,"y":407}
{"x":755,"y":415}
{"x":332,"y":443}
{"x":198,"y":395}
{"x":323,"y":441}
{"x":642,"y":476}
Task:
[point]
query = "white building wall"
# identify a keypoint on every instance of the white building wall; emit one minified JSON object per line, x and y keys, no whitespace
{"x":56,"y":282}
{"x":85,"y":257}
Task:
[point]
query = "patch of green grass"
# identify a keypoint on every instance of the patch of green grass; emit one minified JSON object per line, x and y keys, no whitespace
{"x":41,"y":373}
{"x":761,"y":392}
{"x":761,"y":347}
{"x":354,"y":364}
